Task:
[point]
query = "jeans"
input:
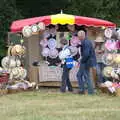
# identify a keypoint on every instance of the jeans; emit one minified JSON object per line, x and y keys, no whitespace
{"x":65,"y":80}
{"x":83,"y":77}
{"x":99,"y":69}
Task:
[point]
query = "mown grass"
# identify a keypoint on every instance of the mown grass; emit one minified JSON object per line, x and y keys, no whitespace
{"x":51,"y":105}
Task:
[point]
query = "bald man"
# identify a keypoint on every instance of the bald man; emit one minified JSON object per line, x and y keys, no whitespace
{"x":87,"y":61}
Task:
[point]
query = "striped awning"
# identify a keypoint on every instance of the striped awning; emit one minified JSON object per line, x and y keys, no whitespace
{"x":62,"y":19}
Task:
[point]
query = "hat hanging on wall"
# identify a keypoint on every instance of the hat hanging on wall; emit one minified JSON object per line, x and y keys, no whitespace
{"x":99,"y":39}
{"x":108,"y":33}
{"x":41,"y":26}
{"x":52,"y":43}
{"x":35,"y":29}
{"x":118,"y":34}
{"x":53,"y":53}
{"x":44,"y":43}
{"x":45,"y":52}
{"x":107,"y":71}
{"x":26,"y":31}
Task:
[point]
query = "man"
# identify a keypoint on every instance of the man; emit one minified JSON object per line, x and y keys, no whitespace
{"x":99,"y":50}
{"x":65,"y":75}
{"x":88,"y":60}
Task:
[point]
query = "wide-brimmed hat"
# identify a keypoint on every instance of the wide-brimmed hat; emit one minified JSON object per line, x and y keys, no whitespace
{"x":107,"y":71}
{"x":53,"y":53}
{"x":26,"y":31}
{"x":108,"y":33}
{"x":99,"y":39}
{"x":45,"y":52}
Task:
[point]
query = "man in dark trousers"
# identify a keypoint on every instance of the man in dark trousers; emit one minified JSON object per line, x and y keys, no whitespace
{"x":88,"y":60}
{"x":65,"y":75}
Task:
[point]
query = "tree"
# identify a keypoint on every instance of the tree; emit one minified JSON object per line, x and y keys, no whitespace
{"x":8,"y":13}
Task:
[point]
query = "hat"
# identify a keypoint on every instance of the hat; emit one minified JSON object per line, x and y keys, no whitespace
{"x":18,"y":50}
{"x":107,"y":71}
{"x":26,"y":31}
{"x":35,"y":28}
{"x":117,"y":59}
{"x":107,"y":59}
{"x":45,"y":52}
{"x":44,"y":43}
{"x":108,"y":33}
{"x":52,"y":43}
{"x":41,"y":26}
{"x":99,"y":39}
{"x":53,"y":53}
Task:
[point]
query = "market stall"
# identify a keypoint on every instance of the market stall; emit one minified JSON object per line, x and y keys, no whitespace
{"x":41,"y":38}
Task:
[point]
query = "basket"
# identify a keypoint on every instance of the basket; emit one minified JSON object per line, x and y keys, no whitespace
{"x":118,"y":91}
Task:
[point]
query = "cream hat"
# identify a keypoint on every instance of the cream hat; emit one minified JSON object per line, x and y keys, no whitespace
{"x":99,"y":39}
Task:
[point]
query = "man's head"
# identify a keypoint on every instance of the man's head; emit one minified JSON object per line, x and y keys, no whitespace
{"x":63,"y":42}
{"x":81,"y":35}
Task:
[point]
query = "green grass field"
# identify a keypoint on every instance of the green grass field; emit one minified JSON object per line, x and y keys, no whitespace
{"x":49,"y":105}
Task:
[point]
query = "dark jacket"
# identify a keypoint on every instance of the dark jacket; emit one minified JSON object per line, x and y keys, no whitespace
{"x":88,"y":53}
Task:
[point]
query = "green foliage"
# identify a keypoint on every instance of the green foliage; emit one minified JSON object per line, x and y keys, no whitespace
{"x":16,"y":9}
{"x":8,"y":13}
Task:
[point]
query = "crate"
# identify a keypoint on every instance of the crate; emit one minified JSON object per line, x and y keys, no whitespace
{"x":4,"y":78}
{"x":3,"y":91}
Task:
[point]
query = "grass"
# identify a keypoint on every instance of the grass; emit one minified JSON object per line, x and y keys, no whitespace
{"x":50,"y":105}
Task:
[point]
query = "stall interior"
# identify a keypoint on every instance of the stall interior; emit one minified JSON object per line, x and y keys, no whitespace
{"x":43,"y":50}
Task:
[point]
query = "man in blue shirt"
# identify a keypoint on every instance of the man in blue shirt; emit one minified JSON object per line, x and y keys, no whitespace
{"x":88,"y":60}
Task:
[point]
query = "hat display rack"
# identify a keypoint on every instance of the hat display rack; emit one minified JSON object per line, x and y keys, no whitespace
{"x":111,"y":57}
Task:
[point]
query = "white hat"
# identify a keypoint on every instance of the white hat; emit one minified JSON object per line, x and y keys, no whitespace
{"x":99,"y":39}
{"x":108,"y":33}
{"x":26,"y":31}
{"x":34,"y":28}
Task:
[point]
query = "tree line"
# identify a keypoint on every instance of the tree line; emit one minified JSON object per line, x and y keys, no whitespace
{"x":11,"y":10}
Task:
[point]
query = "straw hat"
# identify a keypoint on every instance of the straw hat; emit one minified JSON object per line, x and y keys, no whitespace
{"x":99,"y":39}
{"x":107,"y":71}
{"x":18,"y":50}
{"x":8,"y":62}
{"x":117,"y":59}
